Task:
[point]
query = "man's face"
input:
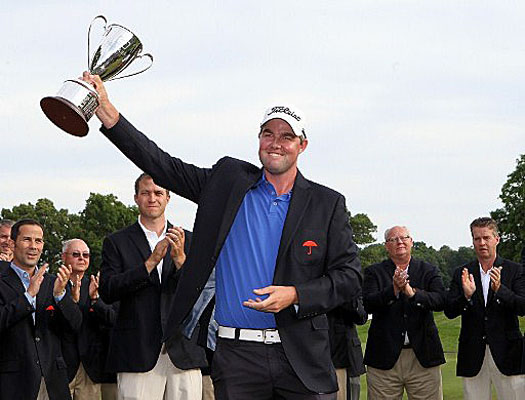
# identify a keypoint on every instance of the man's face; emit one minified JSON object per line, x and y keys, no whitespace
{"x":279,"y":147}
{"x":151,"y":199}
{"x":77,"y":255}
{"x":398,"y":243}
{"x":485,"y":241}
{"x":28,"y":246}
{"x":5,"y":242}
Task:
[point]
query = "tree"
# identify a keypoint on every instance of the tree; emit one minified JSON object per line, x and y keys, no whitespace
{"x":102,"y":215}
{"x":511,"y":218}
{"x":372,"y":254}
{"x":363,"y":228}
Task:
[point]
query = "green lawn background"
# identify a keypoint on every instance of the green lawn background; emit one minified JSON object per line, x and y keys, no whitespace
{"x":449,"y":333}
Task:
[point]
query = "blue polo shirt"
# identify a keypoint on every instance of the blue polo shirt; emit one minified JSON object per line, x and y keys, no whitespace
{"x":247,"y":259}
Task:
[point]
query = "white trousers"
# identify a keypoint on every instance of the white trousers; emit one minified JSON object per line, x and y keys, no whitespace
{"x":507,"y":387}
{"x":164,"y":382}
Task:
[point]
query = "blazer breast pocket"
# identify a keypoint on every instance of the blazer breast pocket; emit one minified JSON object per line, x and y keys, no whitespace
{"x":309,"y":247}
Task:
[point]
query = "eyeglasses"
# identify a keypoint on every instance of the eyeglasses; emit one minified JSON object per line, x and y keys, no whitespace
{"x":404,"y":239}
{"x":77,"y":254}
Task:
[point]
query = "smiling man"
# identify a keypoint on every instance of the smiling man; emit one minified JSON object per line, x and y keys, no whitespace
{"x":35,"y":311}
{"x":489,"y":294}
{"x":403,"y":350}
{"x":276,"y":247}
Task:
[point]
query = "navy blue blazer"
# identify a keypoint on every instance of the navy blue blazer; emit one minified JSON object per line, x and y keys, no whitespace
{"x":495,"y":324}
{"x":30,"y":350}
{"x":324,"y":278}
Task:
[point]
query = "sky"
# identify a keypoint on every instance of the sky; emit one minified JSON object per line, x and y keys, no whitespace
{"x":414,"y":109}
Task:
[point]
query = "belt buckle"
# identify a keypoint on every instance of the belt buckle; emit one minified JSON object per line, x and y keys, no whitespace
{"x":266,"y":339}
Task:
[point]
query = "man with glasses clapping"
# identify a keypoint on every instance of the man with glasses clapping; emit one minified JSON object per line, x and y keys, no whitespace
{"x":403,"y":350}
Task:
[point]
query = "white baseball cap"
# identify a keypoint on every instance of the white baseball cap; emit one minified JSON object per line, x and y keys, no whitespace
{"x":291,"y":114}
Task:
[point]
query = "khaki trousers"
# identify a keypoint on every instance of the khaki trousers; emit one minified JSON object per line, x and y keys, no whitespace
{"x":407,"y":374}
{"x":109,"y":391}
{"x":82,"y":387}
{"x":164,"y":382}
{"x":207,"y":388}
{"x":42,"y":392}
{"x":479,"y":387}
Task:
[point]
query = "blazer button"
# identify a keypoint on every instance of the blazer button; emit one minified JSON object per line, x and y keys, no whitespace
{"x":37,"y":339}
{"x":486,"y":318}
{"x":484,"y":337}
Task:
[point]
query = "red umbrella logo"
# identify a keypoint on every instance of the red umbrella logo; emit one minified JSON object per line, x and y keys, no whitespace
{"x":309,"y":244}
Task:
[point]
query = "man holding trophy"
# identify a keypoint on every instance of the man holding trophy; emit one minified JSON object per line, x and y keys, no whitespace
{"x":279,"y":247}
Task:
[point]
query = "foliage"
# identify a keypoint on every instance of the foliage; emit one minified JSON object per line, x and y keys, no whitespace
{"x":511,"y":218}
{"x":372,"y":254}
{"x":102,"y":215}
{"x":363,"y":228}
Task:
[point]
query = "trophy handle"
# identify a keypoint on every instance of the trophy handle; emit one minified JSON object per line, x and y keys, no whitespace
{"x":89,"y":34}
{"x":138,"y":72}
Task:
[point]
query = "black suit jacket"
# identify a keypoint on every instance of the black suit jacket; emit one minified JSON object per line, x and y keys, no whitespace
{"x":30,"y":350}
{"x":144,"y":305}
{"x":90,"y":344}
{"x":345,"y":346}
{"x":324,"y":278}
{"x":495,"y":324}
{"x":393,"y":316}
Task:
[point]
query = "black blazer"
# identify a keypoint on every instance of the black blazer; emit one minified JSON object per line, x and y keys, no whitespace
{"x":324,"y":279}
{"x":137,"y":337}
{"x":495,"y":324}
{"x":30,"y":350}
{"x":345,"y":346}
{"x":393,"y":316}
{"x":90,"y":344}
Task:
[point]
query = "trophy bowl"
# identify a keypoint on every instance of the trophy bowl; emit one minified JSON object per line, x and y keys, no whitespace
{"x":76,"y":101}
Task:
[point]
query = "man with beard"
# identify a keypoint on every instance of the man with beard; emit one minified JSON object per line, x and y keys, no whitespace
{"x":275,"y":248}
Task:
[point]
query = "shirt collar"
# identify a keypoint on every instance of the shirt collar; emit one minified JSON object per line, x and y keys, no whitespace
{"x":22,"y":274}
{"x":147,"y":231}
{"x":269,"y":187}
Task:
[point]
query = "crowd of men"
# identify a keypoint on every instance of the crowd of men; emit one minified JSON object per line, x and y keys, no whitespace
{"x":267,"y":290}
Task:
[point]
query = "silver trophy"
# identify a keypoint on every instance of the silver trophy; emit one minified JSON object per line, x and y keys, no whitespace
{"x":76,"y":101}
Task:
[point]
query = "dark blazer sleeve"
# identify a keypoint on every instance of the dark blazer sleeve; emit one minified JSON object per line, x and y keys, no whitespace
{"x":456,"y":303}
{"x":430,"y":294}
{"x":115,"y":280}
{"x":341,"y":281}
{"x":185,"y":179}
{"x":13,"y":310}
{"x":70,"y":311}
{"x":377,"y":297}
{"x":513,"y":297}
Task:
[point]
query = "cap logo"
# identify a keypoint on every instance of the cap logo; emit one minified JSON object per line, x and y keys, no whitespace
{"x":284,"y":110}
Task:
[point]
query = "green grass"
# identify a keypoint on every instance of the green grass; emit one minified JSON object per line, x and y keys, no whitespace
{"x":449,"y":333}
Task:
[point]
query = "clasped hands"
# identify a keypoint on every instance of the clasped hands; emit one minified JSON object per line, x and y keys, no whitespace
{"x":174,"y":237}
{"x":402,"y":283}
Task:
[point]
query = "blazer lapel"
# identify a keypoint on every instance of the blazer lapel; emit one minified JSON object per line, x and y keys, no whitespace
{"x":301,"y":197}
{"x":237,"y":193}
{"x":167,"y":264}
{"x":11,"y":278}
{"x":138,"y":237}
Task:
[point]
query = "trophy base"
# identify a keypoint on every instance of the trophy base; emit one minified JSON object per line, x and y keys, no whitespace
{"x":65,"y":115}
